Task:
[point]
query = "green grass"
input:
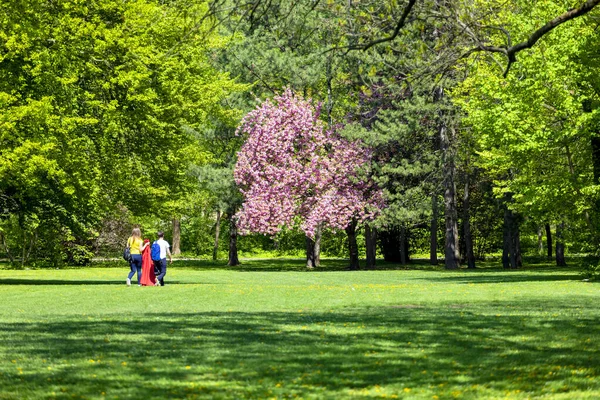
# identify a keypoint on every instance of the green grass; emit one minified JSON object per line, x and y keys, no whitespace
{"x":269,"y":329}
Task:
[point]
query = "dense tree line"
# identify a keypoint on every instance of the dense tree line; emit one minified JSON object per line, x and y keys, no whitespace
{"x":480,"y":119}
{"x":99,"y":105}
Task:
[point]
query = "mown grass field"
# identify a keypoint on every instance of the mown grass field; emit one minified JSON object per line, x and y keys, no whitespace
{"x":269,"y":329}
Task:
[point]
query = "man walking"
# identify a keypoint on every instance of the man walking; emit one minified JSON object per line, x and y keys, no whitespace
{"x":160,"y":250}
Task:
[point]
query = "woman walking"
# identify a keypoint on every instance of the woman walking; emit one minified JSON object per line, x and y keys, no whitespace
{"x":136,"y":246}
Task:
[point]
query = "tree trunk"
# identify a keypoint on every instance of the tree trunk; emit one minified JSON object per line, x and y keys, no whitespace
{"x":31,"y":243}
{"x":511,"y":250}
{"x":176,"y":237}
{"x":24,"y":255}
{"x":506,"y":239}
{"x":470,"y":256}
{"x":451,"y":247}
{"x":217,"y":232}
{"x":352,"y":245}
{"x":310,"y":253}
{"x":317,"y":248}
{"x":549,"y":241}
{"x":233,"y":255}
{"x":403,"y":246}
{"x":371,"y":246}
{"x":560,"y":245}
{"x":589,"y":106}
{"x":518,"y":256}
{"x":433,"y":260}
{"x":540,"y":236}
{"x":390,"y":245}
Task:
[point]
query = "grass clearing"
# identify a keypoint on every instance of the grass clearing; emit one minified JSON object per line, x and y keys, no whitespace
{"x":269,"y":329}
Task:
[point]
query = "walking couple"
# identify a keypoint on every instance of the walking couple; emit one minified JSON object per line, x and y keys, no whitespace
{"x":148,"y":260}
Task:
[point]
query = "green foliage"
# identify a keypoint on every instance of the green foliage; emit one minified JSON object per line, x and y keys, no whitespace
{"x":94,"y":99}
{"x":590,"y":270}
{"x":532,"y":133}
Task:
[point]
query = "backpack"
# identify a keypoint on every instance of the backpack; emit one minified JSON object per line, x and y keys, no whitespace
{"x":155,"y":251}
{"x":127,"y":253}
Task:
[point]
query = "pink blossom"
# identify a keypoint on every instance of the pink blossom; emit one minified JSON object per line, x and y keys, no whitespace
{"x":292,"y":166}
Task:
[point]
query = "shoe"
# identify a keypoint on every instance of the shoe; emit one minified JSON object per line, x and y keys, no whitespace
{"x":128,"y":282}
{"x":157,"y":283}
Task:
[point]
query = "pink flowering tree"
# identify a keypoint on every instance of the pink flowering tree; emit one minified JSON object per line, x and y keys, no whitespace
{"x":292,"y":170}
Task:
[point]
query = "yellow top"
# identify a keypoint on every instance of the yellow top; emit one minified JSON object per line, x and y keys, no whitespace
{"x":135,"y":245}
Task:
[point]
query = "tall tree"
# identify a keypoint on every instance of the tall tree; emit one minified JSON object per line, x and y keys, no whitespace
{"x":290,"y":166}
{"x":532,"y":128}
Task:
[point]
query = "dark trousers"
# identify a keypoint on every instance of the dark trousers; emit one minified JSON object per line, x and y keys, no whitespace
{"x":160,"y":270}
{"x":135,"y":264}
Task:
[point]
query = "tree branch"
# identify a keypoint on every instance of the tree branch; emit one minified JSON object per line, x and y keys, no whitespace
{"x":399,"y":26}
{"x":512,"y":51}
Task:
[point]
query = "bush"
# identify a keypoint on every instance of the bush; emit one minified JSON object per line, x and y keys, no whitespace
{"x":591,"y":269}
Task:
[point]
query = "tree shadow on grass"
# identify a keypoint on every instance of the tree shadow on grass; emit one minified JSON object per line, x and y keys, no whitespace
{"x":297,"y":264}
{"x":509,"y":277}
{"x":467,"y":351}
{"x":263,"y":265}
{"x":463,"y":275}
{"x":67,"y":282}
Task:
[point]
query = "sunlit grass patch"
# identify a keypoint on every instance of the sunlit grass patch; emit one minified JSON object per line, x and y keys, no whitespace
{"x":285,"y":333}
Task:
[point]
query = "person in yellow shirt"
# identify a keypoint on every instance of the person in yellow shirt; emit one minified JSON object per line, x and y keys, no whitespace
{"x":136,"y":246}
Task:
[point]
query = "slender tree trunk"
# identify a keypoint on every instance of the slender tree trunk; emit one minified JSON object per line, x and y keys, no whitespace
{"x":310,"y":253}
{"x":24,"y":252}
{"x":433,"y":260}
{"x":176,"y":237}
{"x":451,"y":247}
{"x":517,"y":245}
{"x":352,"y":246}
{"x":511,"y":250}
{"x":588,"y":106}
{"x":233,"y":254}
{"x":403,"y":246}
{"x":329,"y":91}
{"x":549,"y":240}
{"x":317,"y":248}
{"x":507,"y":239}
{"x":560,"y":245}
{"x":540,"y":240}
{"x":512,"y":241}
{"x":470,"y":256}
{"x":576,"y":185}
{"x":31,"y":243}
{"x":511,"y":255}
{"x":371,"y":245}
{"x":217,"y":232}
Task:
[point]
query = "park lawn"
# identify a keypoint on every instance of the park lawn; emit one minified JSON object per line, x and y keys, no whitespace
{"x":269,"y":329}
